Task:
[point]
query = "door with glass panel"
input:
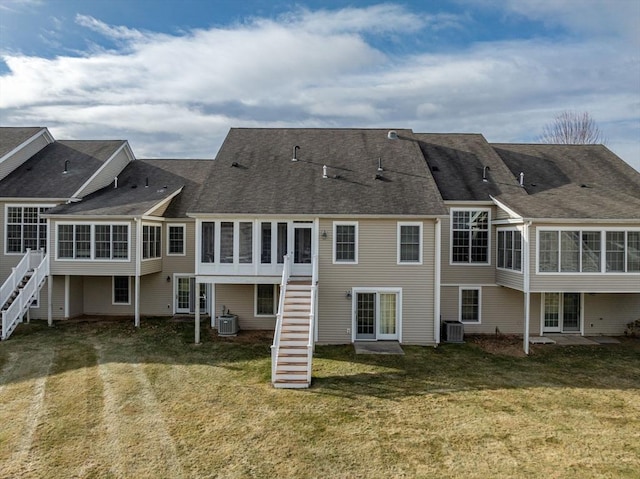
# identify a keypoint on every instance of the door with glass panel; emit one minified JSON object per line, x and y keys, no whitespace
{"x":186,"y":295}
{"x":302,"y":248}
{"x":376,"y":315}
{"x":561,"y":312}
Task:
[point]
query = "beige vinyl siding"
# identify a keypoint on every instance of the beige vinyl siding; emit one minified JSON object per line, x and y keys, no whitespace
{"x":534,"y":313}
{"x":466,"y":273}
{"x":580,"y":282}
{"x":608,"y":314}
{"x":500,"y":214}
{"x":180,"y":263}
{"x":377,"y":268}
{"x":156,"y":294}
{"x":239,"y":299}
{"x":19,"y":157}
{"x":148,"y":266}
{"x":502,"y":310}
{"x":57,"y":298}
{"x":106,"y":175}
{"x":76,"y":296}
{"x":98,"y":297}
{"x":510,"y":279}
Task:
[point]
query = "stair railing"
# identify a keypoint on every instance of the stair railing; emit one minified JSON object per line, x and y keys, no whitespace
{"x":286,"y":271}
{"x":311,"y":344}
{"x":13,"y":315}
{"x":17,"y":273}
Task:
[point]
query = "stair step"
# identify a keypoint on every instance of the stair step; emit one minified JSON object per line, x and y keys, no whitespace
{"x":295,"y":327}
{"x":292,"y":352}
{"x":291,"y":384}
{"x":291,"y":369}
{"x":293,"y":376}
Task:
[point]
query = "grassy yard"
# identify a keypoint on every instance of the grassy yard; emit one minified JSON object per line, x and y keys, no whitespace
{"x":106,"y":400}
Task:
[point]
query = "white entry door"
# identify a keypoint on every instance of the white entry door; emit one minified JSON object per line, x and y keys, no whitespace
{"x":186,"y":295}
{"x":376,"y":315}
{"x":302,"y":249}
{"x":561,"y":312}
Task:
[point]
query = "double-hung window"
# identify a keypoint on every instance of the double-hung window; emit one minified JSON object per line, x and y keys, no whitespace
{"x":510,"y":250}
{"x":470,"y":305}
{"x":92,"y":241}
{"x":345,"y":245}
{"x":265,"y":300}
{"x":175,"y":240}
{"x":470,"y":236}
{"x":25,"y":228}
{"x":229,"y":242}
{"x":409,"y":243}
{"x":151,"y":242}
{"x":121,"y":290}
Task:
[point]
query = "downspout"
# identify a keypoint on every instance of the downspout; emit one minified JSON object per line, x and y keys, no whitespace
{"x":197,"y":319}
{"x":436,"y":287}
{"x":527,"y":294}
{"x":50,"y":247}
{"x":136,"y":320}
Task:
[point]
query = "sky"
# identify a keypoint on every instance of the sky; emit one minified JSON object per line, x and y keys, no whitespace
{"x":173,"y":76}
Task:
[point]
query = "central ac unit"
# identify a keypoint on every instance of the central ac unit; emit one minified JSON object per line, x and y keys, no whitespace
{"x":228,"y":325}
{"x":453,"y":332}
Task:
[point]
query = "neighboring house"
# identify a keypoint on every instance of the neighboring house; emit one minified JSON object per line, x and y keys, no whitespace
{"x":330,"y":235}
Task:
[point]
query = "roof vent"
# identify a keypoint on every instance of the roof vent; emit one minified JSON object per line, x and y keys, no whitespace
{"x":379,"y":177}
{"x":146,"y":182}
{"x":235,"y":164}
{"x":380,"y":168}
{"x":66,"y":167}
{"x":484,"y":173}
{"x":295,"y":153}
{"x":392,"y":135}
{"x":324,"y":171}
{"x":522,"y":179}
{"x":115,"y":182}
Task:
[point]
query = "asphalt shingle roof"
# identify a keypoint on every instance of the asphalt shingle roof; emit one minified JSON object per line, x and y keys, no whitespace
{"x":42,"y":175}
{"x":133,"y":197}
{"x":264,"y":180}
{"x":571,"y":181}
{"x":12,"y":137}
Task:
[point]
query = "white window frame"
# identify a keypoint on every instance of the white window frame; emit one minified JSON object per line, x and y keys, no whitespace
{"x":335,"y":237}
{"x":6,"y":222}
{"x":159,"y":237}
{"x":471,"y":288}
{"x":183,"y":227}
{"x":93,"y":241}
{"x":113,"y":290}
{"x":603,"y":250}
{"x":470,"y":263}
{"x":504,"y":268}
{"x":275,"y":301}
{"x":377,"y":291}
{"x":420,"y":244}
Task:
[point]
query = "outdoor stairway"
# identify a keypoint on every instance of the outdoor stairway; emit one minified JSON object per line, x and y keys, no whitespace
{"x":20,"y":290}
{"x":293,"y":357}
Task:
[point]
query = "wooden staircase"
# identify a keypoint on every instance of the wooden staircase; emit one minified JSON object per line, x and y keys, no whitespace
{"x":293,"y":356}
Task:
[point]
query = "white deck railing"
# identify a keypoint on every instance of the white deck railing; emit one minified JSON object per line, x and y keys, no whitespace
{"x":312,"y":317}
{"x":39,"y":263}
{"x":286,"y":268}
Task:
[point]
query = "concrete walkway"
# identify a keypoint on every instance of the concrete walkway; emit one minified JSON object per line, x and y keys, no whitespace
{"x":377,"y":347}
{"x":572,"y":340}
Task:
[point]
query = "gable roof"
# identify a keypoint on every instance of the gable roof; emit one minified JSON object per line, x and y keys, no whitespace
{"x":457,"y":162}
{"x":571,"y":181}
{"x":13,"y":137}
{"x":42,"y":175}
{"x":142,"y":185}
{"x":265,"y":180}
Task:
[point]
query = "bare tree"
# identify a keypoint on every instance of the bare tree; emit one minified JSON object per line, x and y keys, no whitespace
{"x":572,"y":128}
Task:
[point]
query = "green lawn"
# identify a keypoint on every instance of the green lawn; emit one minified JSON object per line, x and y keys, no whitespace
{"x":106,"y":400}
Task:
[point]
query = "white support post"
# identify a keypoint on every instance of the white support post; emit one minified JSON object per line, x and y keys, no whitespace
{"x":197,"y":325}
{"x":527,"y":295}
{"x":49,"y":300}
{"x":436,"y":286}
{"x":136,"y":280}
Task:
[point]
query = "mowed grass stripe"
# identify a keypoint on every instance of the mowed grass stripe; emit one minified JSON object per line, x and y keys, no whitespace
{"x":70,"y":426}
{"x":26,"y":401}
{"x":138,"y":435}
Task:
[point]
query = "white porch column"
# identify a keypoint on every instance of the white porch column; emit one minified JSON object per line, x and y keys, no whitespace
{"x":197,"y":325}
{"x":527,"y":295}
{"x":436,"y":285}
{"x":67,"y":292}
{"x":136,"y":282}
{"x":49,"y":300}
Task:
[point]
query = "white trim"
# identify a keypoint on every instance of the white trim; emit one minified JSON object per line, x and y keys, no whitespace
{"x":183,"y":226}
{"x":470,"y":288}
{"x":151,"y":225}
{"x":514,"y":215}
{"x":560,"y":328}
{"x":503,"y":229}
{"x":399,"y":226}
{"x":161,"y":202}
{"x":129,"y":153}
{"x":335,"y":236}
{"x":376,"y":291}
{"x":469,"y":263}
{"x":93,"y":240}
{"x":255,"y":301}
{"x":437,"y":280}
{"x":113,"y":290}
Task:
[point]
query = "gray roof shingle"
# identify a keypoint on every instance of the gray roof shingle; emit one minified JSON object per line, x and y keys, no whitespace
{"x":12,"y":137}
{"x":266,"y":181}
{"x":41,"y":176}
{"x":571,"y":181}
{"x":133,"y":197}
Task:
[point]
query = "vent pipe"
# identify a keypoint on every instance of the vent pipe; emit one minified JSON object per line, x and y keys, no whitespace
{"x":484,"y":173}
{"x":324,"y":171}
{"x":66,"y":167}
{"x":295,"y":153}
{"x":380,"y":168}
{"x":392,"y":135}
{"x":115,"y":182}
{"x":146,"y":182}
{"x":521,"y":179}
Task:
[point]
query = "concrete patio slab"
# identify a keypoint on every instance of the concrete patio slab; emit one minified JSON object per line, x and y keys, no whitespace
{"x":541,"y":340}
{"x":571,"y":340}
{"x":604,"y":340}
{"x":378,"y":347}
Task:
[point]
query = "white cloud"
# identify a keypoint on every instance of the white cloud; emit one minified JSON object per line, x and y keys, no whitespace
{"x":177,"y":96}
